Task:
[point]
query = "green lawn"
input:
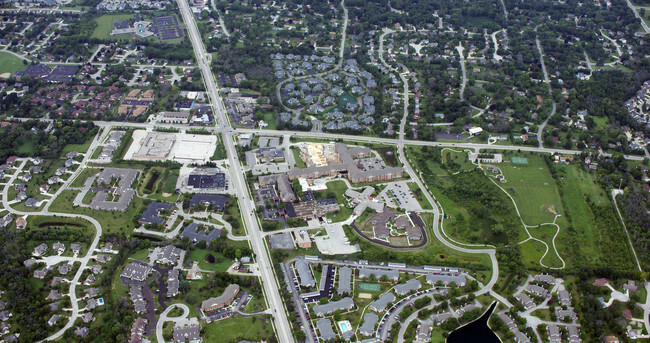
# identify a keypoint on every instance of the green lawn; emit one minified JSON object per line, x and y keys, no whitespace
{"x":238,"y":328}
{"x":546,"y":233}
{"x":531,"y":252}
{"x":590,"y":236}
{"x":111,"y":222}
{"x":81,"y":148}
{"x":296,"y":156}
{"x":535,"y":191}
{"x":105,"y":24}
{"x":339,"y":188}
{"x":269,"y":118}
{"x":170,"y":181}
{"x":26,"y":147}
{"x":459,"y":158}
{"x":200,"y":256}
{"x":10,"y":63}
{"x":83,"y":176}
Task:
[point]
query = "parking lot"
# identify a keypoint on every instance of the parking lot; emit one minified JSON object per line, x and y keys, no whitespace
{"x":398,"y":194}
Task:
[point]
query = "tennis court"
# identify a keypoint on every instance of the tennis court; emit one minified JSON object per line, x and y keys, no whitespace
{"x":369,"y":287}
{"x":520,"y":160}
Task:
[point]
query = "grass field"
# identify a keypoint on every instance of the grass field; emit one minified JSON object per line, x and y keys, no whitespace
{"x":339,"y":188}
{"x":269,"y":118}
{"x":535,"y":191}
{"x":238,"y":328}
{"x":199,"y":255}
{"x":459,"y":158}
{"x":590,"y":235}
{"x":105,"y":24}
{"x":546,"y":233}
{"x":111,"y":222}
{"x":10,"y":63}
{"x":296,"y":156}
{"x":80,"y":148}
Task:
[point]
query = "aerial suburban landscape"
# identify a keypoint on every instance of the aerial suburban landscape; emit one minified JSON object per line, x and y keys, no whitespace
{"x":324,"y":171}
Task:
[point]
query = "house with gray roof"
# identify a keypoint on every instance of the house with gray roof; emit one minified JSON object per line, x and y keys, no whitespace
{"x":304,"y":274}
{"x":345,"y":281}
{"x":168,"y":254}
{"x":564,"y":297}
{"x":40,"y":250}
{"x":325,"y":328}
{"x":81,"y":332}
{"x":172,"y":282}
{"x":544,"y":278}
{"x":187,"y":330}
{"x":525,"y":300}
{"x":53,"y":295}
{"x":192,"y":232}
{"x":136,"y":271}
{"x":391,"y":274}
{"x":446,"y":279}
{"x":407,"y":287}
{"x":333,"y":306}
{"x":52,"y":321}
{"x":382,"y":302}
{"x":368,"y":326}
{"x":538,"y":291}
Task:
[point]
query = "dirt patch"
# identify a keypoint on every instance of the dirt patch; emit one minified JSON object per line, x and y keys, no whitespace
{"x":548,"y":208}
{"x":365,"y":295}
{"x":166,"y":194}
{"x":5,"y":75}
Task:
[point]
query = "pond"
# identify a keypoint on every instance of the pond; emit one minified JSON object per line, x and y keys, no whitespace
{"x":476,"y":331}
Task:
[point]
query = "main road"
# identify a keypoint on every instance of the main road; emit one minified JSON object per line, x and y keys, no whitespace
{"x":270,"y":286}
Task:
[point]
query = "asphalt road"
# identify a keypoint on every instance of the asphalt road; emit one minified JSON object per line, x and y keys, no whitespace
{"x":270,"y":286}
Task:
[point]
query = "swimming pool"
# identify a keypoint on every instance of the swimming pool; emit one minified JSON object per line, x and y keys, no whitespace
{"x":345,"y":326}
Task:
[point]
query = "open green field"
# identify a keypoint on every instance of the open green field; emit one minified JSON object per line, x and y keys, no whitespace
{"x":220,"y":265}
{"x":269,"y":118}
{"x":80,"y":148}
{"x":535,"y":191}
{"x":595,"y":236}
{"x":339,"y":188}
{"x":10,"y":63}
{"x":105,"y":24}
{"x":111,"y":222}
{"x":296,"y":156}
{"x":457,"y":160}
{"x":238,"y":328}
{"x":546,"y":233}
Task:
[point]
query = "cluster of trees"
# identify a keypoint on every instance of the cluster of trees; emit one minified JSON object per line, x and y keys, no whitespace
{"x":46,"y":144}
{"x":634,"y":206}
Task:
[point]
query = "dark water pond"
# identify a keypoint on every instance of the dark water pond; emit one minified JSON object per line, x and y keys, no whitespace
{"x":476,"y":331}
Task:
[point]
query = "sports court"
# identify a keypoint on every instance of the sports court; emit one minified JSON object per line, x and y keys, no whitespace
{"x":369,"y":287}
{"x":519,"y":160}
